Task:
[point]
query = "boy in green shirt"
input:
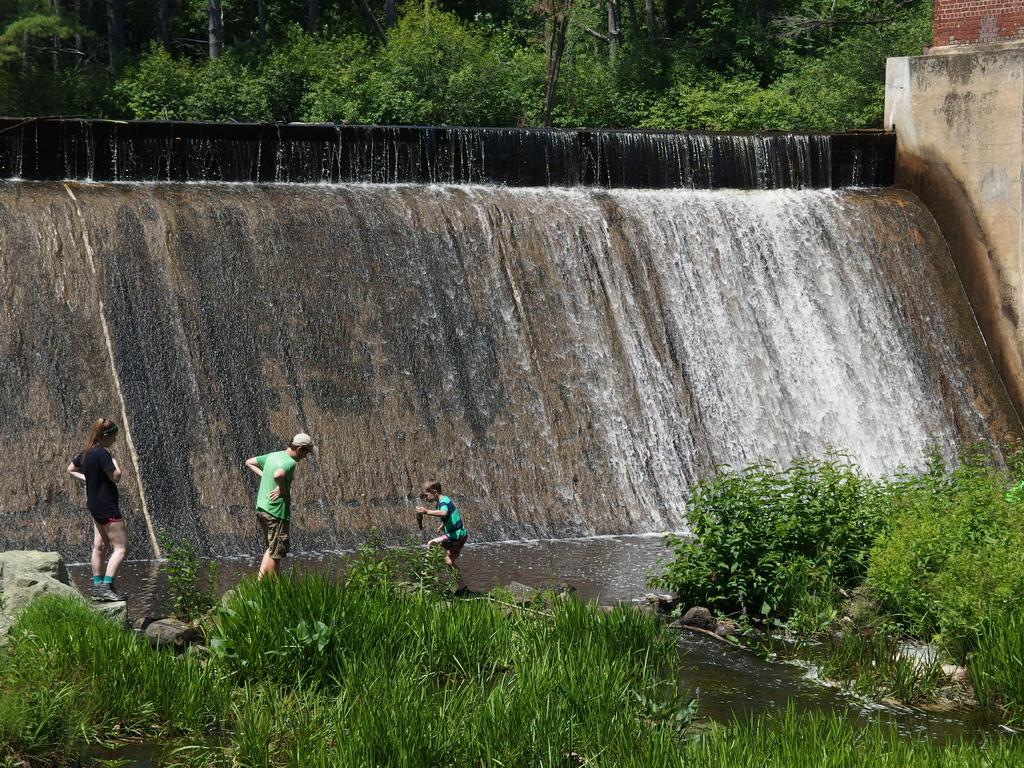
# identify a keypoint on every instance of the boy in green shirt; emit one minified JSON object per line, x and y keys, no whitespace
{"x":455,"y":534}
{"x":274,"y":499}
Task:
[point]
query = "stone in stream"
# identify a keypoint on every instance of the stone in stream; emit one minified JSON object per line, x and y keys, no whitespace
{"x":663,"y":603}
{"x":521,"y":594}
{"x":700,"y":618}
{"x":170,"y":631}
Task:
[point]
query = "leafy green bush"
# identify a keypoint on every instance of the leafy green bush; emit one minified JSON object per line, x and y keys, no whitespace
{"x":765,"y":537}
{"x":952,"y":555}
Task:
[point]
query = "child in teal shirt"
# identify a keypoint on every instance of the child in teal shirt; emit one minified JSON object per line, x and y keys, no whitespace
{"x":455,"y":533}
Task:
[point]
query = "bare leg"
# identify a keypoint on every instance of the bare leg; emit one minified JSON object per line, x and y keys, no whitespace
{"x":118,"y":537}
{"x":268,"y":565}
{"x":99,"y":547}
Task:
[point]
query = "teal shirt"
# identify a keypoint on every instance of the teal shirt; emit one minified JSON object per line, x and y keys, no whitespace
{"x":452,"y":520}
{"x":270,"y":462}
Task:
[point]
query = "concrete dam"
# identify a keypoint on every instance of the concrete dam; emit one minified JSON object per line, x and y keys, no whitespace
{"x":568,"y":360}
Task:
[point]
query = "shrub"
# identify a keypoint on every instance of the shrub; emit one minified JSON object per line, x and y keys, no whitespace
{"x":952,"y":555}
{"x":191,"y":583}
{"x":765,"y":537}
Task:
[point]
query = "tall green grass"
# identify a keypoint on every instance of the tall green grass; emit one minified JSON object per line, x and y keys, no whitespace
{"x":456,"y":681}
{"x":997,"y":663}
{"x":311,"y":673}
{"x":68,"y":674}
{"x":872,"y":665}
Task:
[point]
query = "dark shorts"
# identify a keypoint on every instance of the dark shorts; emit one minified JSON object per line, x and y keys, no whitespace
{"x":453,"y":544}
{"x":106,"y":518}
{"x":275,"y":534}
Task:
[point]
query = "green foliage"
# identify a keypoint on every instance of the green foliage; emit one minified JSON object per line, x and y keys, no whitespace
{"x":719,"y":64}
{"x":952,"y":556}
{"x":997,"y":663}
{"x":408,"y":566}
{"x":765,"y":537}
{"x":67,"y":673}
{"x":574,"y":686}
{"x":191,"y":583}
{"x":871,"y":664}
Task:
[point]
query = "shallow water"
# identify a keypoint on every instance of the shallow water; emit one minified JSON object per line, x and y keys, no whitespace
{"x":729,"y":682}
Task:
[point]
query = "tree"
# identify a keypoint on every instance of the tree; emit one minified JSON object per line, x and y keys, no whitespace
{"x":115,"y":33}
{"x":614,"y":28}
{"x":313,"y":16}
{"x":216,"y":29}
{"x":165,"y":24}
{"x":557,"y":13}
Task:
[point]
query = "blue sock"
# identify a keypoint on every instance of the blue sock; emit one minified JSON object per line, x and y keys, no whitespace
{"x":108,"y":580}
{"x":97,"y":580}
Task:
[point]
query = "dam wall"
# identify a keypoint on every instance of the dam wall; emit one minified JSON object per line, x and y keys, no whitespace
{"x":567,"y":361}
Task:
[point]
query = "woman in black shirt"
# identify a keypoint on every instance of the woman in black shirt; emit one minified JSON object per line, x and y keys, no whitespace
{"x":98,"y":469}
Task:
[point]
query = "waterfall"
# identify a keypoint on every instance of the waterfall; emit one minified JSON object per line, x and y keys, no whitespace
{"x":566,"y":361}
{"x":104,"y":150}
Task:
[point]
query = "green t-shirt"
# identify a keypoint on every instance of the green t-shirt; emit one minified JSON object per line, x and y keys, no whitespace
{"x":270,"y":463}
{"x":453,"y":526}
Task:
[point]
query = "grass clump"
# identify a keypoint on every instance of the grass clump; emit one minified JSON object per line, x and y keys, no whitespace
{"x":522,"y":687}
{"x":68,"y":674}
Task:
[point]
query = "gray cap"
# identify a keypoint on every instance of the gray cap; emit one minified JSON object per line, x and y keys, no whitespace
{"x":302,"y":440}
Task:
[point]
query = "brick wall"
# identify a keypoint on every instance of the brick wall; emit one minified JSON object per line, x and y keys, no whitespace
{"x":977,"y":21}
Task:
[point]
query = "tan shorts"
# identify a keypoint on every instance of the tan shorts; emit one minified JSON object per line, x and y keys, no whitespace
{"x":275,"y":534}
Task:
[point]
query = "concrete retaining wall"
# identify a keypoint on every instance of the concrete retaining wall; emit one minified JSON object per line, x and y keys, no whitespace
{"x":959,"y":121}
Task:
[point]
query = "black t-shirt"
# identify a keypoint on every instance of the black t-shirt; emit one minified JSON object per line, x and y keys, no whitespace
{"x":100,"y":490}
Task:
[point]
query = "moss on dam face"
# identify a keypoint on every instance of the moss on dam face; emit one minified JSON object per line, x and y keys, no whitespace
{"x":567,"y":361}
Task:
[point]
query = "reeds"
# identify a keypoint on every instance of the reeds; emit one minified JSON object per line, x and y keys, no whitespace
{"x":997,"y":664}
{"x":307,"y":672}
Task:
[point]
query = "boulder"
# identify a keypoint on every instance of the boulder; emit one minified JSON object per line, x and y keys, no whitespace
{"x":699,"y":617}
{"x":115,"y":611}
{"x":25,"y":574}
{"x":959,"y":675}
{"x":171,"y":632}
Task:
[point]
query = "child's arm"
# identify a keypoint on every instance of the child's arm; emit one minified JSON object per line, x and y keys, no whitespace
{"x":431,"y":512}
{"x":75,"y":472}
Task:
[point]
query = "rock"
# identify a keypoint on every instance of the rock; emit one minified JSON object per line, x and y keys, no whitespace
{"x":171,"y":632}
{"x":24,"y":575}
{"x":860,"y":609}
{"x":726,"y":628}
{"x":959,"y":675}
{"x":521,"y":594}
{"x":116,"y":611}
{"x":663,"y":603}
{"x":140,"y":624}
{"x":699,"y":617}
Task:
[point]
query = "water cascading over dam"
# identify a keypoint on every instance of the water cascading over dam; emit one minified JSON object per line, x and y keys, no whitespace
{"x":567,"y":361}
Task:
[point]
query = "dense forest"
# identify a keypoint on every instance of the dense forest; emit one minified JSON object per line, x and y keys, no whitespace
{"x":683,"y":64}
